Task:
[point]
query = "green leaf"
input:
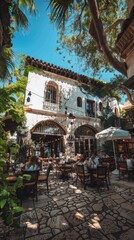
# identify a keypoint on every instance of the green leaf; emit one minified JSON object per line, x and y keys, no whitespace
{"x":27,"y":176}
{"x":18,"y":209}
{"x":2,"y":203}
{"x":18,"y":183}
{"x":4,"y":193}
{"x":2,"y":163}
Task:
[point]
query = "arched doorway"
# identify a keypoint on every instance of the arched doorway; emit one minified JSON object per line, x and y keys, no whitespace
{"x":48,"y":138}
{"x":85,"y":139}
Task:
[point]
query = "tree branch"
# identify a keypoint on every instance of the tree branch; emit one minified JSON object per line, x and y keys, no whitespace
{"x":117,"y":22}
{"x":119,"y":66}
{"x":93,"y":33}
{"x":78,"y":20}
{"x":129,"y":95}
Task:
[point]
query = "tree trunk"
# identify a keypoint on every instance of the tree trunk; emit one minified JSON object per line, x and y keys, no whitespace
{"x":5,"y":23}
{"x":119,"y":66}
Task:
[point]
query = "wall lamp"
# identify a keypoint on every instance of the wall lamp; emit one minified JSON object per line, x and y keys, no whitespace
{"x":71,"y":116}
{"x":29,"y":95}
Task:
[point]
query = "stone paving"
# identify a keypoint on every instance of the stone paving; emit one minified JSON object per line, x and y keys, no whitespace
{"x":68,"y":212}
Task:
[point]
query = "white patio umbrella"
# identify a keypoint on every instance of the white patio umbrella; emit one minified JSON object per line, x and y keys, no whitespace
{"x":113,"y":133}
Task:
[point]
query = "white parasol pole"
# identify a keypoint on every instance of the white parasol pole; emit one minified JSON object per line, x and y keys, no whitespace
{"x":116,"y":171}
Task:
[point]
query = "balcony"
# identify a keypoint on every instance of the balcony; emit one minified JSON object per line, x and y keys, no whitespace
{"x":51,"y":106}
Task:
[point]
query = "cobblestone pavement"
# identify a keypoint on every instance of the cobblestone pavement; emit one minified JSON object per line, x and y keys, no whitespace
{"x":68,"y":212}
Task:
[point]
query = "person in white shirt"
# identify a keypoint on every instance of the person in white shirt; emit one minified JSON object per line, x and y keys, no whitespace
{"x":92,"y":162}
{"x":129,"y":162}
{"x":83,"y":161}
{"x":105,"y":155}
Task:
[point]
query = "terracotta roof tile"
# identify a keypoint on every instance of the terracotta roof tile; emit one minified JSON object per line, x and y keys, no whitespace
{"x":60,"y":71}
{"x":125,"y":40}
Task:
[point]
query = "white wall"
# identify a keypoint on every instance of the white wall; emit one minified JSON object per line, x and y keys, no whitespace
{"x":67,"y":88}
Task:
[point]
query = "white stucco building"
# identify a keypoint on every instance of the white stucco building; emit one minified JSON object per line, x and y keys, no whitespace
{"x":61,"y":115}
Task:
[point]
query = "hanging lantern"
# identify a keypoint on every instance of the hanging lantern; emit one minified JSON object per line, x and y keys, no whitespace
{"x":28,"y":99}
{"x":29,"y":94}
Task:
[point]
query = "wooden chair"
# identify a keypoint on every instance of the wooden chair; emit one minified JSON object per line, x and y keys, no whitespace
{"x":80,"y":174}
{"x":56,"y":168}
{"x":30,"y":186}
{"x":124,"y":170}
{"x":101,"y":176}
{"x":108,"y":171}
{"x":45,"y":177}
{"x":66,"y":171}
{"x":111,"y":162}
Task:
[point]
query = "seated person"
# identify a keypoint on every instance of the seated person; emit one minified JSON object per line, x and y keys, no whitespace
{"x":124,"y":157}
{"x":120,"y":157}
{"x":32,"y":164}
{"x":129,"y":162}
{"x":105,"y":155}
{"x":78,"y":157}
{"x":92,"y":162}
{"x":84,"y":162}
{"x":85,"y":167}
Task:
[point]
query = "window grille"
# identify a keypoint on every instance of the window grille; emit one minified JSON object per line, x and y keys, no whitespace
{"x":79,"y":102}
{"x":51,"y":94}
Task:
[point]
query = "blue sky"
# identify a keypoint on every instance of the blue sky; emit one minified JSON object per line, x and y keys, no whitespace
{"x":40,"y":41}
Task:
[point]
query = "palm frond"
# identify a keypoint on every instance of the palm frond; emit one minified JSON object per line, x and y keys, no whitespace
{"x":6,"y":62}
{"x":29,"y":4}
{"x":59,"y":9}
{"x":19,"y":17}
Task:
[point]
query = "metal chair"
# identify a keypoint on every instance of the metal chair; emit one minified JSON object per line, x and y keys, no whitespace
{"x":30,"y":186}
{"x":45,"y":178}
{"x":80,"y":173}
{"x":101,"y":176}
{"x":108,"y":171}
{"x":124,"y":170}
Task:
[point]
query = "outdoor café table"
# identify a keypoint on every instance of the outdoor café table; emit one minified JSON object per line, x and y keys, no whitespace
{"x":11,"y":178}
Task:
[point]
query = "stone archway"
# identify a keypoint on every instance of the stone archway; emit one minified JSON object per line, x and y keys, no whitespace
{"x":85,"y":139}
{"x":48,"y":138}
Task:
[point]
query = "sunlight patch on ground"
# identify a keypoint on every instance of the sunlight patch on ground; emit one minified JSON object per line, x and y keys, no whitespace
{"x":55,"y":199}
{"x":72,"y":186}
{"x":30,"y":209}
{"x":70,"y":198}
{"x":94,"y":221}
{"x":79,"y":216}
{"x":78,"y":191}
{"x":64,"y":224}
{"x":31,"y":225}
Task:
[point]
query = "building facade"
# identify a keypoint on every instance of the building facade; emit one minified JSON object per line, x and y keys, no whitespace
{"x":125,"y":49}
{"x":61,"y":115}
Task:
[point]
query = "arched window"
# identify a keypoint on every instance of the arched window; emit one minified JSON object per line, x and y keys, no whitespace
{"x":51,"y":94}
{"x":100,"y":107}
{"x":79,"y":102}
